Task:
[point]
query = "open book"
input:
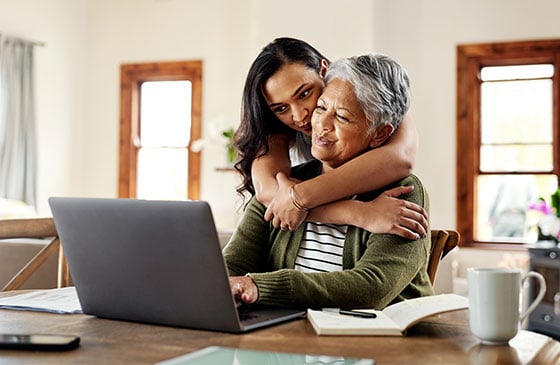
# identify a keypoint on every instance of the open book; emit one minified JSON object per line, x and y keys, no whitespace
{"x":391,"y":321}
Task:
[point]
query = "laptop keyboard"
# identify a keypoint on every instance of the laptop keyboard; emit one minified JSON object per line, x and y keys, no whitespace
{"x":246,"y":313}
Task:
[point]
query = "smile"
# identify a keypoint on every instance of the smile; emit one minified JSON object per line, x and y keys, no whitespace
{"x":321,"y":141}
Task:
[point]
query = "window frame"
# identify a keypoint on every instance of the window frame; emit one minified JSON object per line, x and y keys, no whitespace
{"x":132,"y":77}
{"x":471,"y":58}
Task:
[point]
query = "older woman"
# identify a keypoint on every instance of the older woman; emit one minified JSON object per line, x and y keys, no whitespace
{"x":324,"y":265}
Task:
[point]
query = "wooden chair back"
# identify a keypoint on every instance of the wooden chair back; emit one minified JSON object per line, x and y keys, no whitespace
{"x":443,"y":241}
{"x":35,"y":228}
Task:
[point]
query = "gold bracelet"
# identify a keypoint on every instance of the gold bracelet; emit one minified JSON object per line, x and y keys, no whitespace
{"x":295,"y":202}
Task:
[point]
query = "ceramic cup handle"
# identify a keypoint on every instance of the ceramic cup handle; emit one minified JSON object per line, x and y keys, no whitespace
{"x":540,"y":296}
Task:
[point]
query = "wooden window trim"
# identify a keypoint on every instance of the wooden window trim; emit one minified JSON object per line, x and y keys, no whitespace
{"x":470,"y":59}
{"x":132,"y":76}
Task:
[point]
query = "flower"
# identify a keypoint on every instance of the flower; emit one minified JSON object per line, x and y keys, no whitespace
{"x":541,"y":206}
{"x":549,"y":223}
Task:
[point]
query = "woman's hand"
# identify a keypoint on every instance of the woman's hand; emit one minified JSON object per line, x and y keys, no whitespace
{"x":244,"y":289}
{"x":281,"y":211}
{"x":388,"y":214}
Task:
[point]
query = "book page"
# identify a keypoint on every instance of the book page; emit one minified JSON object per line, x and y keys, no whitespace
{"x":329,"y":323}
{"x":409,"y":312}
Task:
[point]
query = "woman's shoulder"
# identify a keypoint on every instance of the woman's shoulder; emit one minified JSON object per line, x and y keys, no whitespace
{"x":411,"y":179}
{"x":419,"y":195}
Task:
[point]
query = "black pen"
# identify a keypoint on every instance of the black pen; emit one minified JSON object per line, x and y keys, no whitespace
{"x":353,"y":313}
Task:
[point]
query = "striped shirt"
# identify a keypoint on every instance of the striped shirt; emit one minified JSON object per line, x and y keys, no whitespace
{"x":321,"y":248}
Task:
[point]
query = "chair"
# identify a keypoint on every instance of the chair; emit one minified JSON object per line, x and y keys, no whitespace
{"x":35,"y":228}
{"x":443,"y":241}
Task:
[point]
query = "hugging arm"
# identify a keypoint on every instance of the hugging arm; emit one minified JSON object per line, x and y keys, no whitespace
{"x":370,"y":171}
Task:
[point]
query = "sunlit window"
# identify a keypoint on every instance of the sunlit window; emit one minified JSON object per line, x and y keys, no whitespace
{"x":508,"y":141}
{"x":516,"y":150}
{"x":165,"y":122}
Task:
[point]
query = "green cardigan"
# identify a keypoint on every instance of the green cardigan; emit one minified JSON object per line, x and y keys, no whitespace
{"x":378,"y":269}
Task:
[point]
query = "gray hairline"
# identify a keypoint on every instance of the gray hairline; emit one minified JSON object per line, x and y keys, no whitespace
{"x":381,"y":104}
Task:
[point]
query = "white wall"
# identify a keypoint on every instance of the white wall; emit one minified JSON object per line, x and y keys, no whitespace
{"x":59,"y":74}
{"x":423,"y":35}
{"x":226,"y":35}
{"x":87,"y":40}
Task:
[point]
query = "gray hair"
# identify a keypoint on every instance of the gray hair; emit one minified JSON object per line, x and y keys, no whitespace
{"x":380,"y":84}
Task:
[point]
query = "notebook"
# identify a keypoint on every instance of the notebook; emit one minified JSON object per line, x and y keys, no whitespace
{"x":156,"y":262}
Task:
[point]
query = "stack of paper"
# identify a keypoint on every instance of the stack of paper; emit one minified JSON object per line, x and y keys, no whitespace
{"x":62,"y":301}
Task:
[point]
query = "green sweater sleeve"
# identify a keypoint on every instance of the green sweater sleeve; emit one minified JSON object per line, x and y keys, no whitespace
{"x":249,"y":246}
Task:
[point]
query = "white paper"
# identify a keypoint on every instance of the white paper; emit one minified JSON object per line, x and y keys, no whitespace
{"x":408,"y":312}
{"x":61,"y":301}
{"x":528,"y":345}
{"x":334,"y":323}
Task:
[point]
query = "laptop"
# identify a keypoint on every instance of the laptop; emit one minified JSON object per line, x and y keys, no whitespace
{"x":156,"y":262}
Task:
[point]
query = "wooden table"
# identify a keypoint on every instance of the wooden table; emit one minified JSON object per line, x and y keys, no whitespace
{"x":441,"y":339}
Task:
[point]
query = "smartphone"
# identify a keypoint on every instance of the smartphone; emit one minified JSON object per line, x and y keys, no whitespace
{"x":39,"y":342}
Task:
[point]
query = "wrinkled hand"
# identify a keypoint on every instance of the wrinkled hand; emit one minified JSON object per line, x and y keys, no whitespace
{"x":244,"y":289}
{"x":388,"y":214}
{"x":281,"y":211}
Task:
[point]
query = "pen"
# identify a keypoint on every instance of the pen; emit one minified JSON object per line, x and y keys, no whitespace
{"x":353,"y":313}
{"x":357,"y":313}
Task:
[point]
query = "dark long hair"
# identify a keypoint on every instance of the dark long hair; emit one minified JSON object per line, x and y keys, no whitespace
{"x":257,"y":120}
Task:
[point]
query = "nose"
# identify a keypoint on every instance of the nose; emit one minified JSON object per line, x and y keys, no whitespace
{"x":320,"y":123}
{"x":299,"y":115}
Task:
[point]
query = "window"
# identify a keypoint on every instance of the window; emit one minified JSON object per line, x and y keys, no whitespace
{"x":160,"y":117}
{"x":508,"y":138}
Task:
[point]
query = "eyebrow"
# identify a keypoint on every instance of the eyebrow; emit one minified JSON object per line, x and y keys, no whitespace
{"x":339,"y":108}
{"x":297,"y":91}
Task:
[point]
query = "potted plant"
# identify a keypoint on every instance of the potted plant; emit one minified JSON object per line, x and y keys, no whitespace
{"x":230,"y":149}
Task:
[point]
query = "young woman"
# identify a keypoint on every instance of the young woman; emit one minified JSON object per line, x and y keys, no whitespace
{"x":280,"y":94}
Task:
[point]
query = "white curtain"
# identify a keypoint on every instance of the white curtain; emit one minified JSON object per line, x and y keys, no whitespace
{"x":18,"y":148}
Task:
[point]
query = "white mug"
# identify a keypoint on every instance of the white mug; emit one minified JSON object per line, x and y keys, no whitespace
{"x":494,"y":296}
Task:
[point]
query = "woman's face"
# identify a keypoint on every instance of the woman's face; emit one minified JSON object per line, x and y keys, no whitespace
{"x":341,"y":130}
{"x":292,"y":93}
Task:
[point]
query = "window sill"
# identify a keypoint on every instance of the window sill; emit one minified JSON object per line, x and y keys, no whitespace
{"x":497,"y":246}
{"x":225,"y":169}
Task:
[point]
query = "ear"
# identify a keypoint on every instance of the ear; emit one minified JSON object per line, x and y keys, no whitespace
{"x":380,"y":135}
{"x":323,"y":68}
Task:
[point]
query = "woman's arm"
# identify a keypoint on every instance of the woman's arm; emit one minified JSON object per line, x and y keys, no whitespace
{"x":385,"y":214}
{"x":265,"y":168}
{"x":248,"y":248}
{"x":367,"y":172}
{"x":370,"y":171}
